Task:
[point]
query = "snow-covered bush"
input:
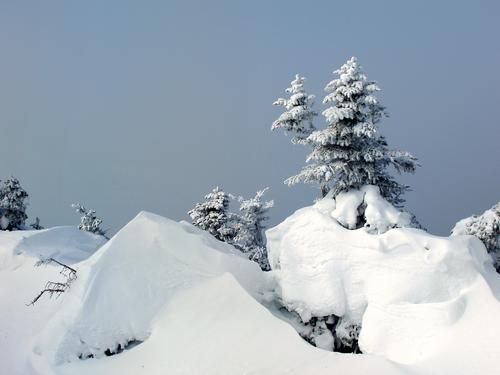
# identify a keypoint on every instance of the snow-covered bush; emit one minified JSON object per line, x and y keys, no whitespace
{"x":212,"y":215}
{"x":89,"y":222}
{"x":299,"y":115}
{"x":36,"y":224}
{"x":12,"y":205}
{"x":349,"y":152}
{"x":486,"y":227}
{"x":249,"y":227}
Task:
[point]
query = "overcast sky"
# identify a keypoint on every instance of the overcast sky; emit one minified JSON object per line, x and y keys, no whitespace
{"x":146,"y":105}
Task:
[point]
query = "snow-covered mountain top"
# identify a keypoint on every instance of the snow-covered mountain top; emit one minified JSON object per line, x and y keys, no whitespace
{"x":169,"y":297}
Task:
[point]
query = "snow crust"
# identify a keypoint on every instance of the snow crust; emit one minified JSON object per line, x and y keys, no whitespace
{"x":417,"y":296}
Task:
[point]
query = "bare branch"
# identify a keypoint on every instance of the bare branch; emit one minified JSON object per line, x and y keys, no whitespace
{"x":54,"y":287}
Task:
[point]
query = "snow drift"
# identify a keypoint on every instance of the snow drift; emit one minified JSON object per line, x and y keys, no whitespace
{"x":192,"y":303}
{"x":123,"y":286}
{"x":20,"y":282}
{"x":415,"y":295}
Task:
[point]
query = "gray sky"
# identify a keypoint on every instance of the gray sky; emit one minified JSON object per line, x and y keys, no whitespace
{"x":146,"y":105}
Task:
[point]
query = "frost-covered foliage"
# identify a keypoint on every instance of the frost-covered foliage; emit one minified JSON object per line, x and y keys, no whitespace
{"x":299,"y":115}
{"x":486,"y":227}
{"x":12,"y":205}
{"x":213,"y":216}
{"x":36,"y":224}
{"x":350,"y":152}
{"x":249,"y":227}
{"x":89,"y":222}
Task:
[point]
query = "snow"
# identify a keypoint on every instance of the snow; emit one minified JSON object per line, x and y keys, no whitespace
{"x":420,"y":299}
{"x":182,"y":302}
{"x":379,"y":214}
{"x":20,"y":282}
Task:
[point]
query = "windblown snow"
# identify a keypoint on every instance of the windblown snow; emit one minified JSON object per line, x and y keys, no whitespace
{"x":168,"y":298}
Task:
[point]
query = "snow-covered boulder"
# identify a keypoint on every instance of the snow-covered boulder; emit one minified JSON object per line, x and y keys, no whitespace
{"x":410,"y":291}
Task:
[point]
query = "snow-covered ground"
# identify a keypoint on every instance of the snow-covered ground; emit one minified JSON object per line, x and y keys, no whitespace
{"x":181,"y":302}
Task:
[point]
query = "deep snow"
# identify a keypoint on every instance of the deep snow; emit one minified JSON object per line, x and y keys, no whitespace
{"x":420,"y":298}
{"x":197,"y":306}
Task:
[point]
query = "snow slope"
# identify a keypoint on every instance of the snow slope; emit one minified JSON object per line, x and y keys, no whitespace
{"x":181,"y":302}
{"x":20,"y":282}
{"x":422,"y":300}
{"x":192,"y":302}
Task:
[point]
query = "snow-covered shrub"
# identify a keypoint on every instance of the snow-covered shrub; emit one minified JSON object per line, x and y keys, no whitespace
{"x":36,"y":224}
{"x":299,"y":115}
{"x":12,"y":205}
{"x":89,"y":222}
{"x":249,"y":226}
{"x":486,"y":227}
{"x":212,"y":215}
{"x":349,"y":152}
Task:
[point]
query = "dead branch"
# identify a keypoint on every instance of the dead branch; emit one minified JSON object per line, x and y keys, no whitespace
{"x":53,"y":287}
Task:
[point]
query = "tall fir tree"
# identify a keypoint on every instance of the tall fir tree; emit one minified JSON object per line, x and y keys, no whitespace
{"x":299,"y":114}
{"x":12,"y":205}
{"x":212,"y":215}
{"x":250,"y":227}
{"x":349,"y":152}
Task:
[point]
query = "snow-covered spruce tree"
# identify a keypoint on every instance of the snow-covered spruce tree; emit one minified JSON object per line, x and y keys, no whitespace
{"x":350,"y":153}
{"x":12,"y":205}
{"x":299,"y":115}
{"x":249,"y":228}
{"x":212,"y":215}
{"x":89,"y":222}
{"x":486,"y":227}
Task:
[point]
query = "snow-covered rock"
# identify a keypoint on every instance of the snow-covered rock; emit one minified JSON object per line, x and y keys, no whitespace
{"x":416,"y":296}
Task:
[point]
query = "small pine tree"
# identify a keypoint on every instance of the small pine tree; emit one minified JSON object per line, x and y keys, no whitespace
{"x":250,"y":226}
{"x":350,"y":153}
{"x":486,"y":227}
{"x":89,"y":222}
{"x":299,"y":115}
{"x":212,"y":215}
{"x":12,"y":205}
{"x":36,"y":225}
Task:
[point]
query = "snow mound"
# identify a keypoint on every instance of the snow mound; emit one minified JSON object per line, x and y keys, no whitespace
{"x":20,"y":282}
{"x":365,"y":206}
{"x":123,"y":286}
{"x":410,"y":291}
{"x":66,"y":244}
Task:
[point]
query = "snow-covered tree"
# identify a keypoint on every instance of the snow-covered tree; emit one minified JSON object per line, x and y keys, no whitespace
{"x":12,"y":205}
{"x":89,"y":222}
{"x":350,"y":153}
{"x":249,"y":228}
{"x":212,"y":215}
{"x":299,"y":115}
{"x":486,"y":227}
{"x":36,"y":224}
